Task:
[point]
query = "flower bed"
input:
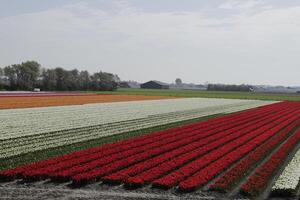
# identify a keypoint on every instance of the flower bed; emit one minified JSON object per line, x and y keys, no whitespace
{"x":217,"y":153}
{"x":30,"y":130}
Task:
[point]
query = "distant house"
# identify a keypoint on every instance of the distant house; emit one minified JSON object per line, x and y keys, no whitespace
{"x":124,"y":84}
{"x":277,"y":89}
{"x":155,"y":85}
{"x":129,"y":84}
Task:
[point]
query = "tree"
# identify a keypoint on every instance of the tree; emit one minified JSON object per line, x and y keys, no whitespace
{"x":103,"y":81}
{"x":2,"y":85}
{"x":60,"y":79}
{"x":73,"y":80}
{"x":22,"y":76}
{"x":222,"y":87}
{"x":178,"y":82}
{"x":84,"y":80}
{"x":9,"y":72}
{"x":28,"y":75}
{"x":49,"y":80}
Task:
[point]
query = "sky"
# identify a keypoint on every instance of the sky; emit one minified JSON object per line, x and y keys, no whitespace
{"x":215,"y":41}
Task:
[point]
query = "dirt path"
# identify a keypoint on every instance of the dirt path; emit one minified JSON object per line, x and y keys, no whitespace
{"x":50,"y":191}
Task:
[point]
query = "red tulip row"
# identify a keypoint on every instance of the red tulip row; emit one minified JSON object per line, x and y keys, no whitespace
{"x":119,"y":147}
{"x":194,"y":166}
{"x":261,"y":176}
{"x":206,"y":174}
{"x":200,"y":138}
{"x":189,"y":156}
{"x":227,"y":180}
{"x":97,"y":173}
{"x":100,"y":159}
{"x":193,"y":149}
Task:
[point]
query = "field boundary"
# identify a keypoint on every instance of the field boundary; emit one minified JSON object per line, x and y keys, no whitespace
{"x":208,"y":94}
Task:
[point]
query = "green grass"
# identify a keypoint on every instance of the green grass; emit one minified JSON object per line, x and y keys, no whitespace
{"x":48,"y":153}
{"x":208,"y":94}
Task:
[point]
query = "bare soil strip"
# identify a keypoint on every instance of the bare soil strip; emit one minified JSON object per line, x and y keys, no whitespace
{"x":49,"y":191}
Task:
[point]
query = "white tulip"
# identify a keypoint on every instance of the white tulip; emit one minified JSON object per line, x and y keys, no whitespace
{"x":289,"y":179}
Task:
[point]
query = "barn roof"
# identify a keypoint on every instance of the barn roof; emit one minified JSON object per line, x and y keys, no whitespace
{"x":158,"y":82}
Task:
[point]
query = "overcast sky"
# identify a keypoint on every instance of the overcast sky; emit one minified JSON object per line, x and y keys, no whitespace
{"x":219,"y":41}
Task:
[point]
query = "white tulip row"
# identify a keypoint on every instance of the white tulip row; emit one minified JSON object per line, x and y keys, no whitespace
{"x":288,"y":181}
{"x":12,"y":146}
{"x":24,"y":122}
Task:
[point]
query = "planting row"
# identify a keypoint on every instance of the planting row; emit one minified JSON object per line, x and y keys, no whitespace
{"x":189,"y":157}
{"x":259,"y":179}
{"x":24,"y":122}
{"x":228,"y":179}
{"x":32,"y":141}
{"x":23,"y":145}
{"x":152,"y":137}
{"x":288,"y":182}
{"x":144,"y":140}
{"x":62,"y":99}
{"x":204,"y":175}
{"x":39,"y":94}
{"x":198,"y":172}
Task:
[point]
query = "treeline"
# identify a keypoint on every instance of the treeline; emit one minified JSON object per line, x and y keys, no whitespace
{"x":29,"y":75}
{"x":223,"y":87}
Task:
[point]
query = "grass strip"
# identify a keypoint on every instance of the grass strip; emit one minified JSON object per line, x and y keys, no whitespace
{"x":206,"y":94}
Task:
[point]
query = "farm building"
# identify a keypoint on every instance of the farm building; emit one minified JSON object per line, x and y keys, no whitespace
{"x":124,"y":84}
{"x":155,"y":85}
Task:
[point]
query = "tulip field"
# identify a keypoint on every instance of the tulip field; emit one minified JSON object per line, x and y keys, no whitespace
{"x":34,"y":129}
{"x":251,"y":151}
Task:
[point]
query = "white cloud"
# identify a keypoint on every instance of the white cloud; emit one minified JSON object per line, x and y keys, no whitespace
{"x":260,"y":47}
{"x":238,"y":4}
